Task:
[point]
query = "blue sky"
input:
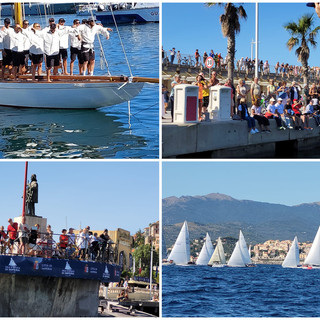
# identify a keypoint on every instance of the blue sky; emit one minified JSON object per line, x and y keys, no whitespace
{"x":288,"y":183}
{"x":99,"y":194}
{"x":191,"y":26}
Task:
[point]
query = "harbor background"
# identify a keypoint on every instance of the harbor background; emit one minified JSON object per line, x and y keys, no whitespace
{"x":104,"y":133}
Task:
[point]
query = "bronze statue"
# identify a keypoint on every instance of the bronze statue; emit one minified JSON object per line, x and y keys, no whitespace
{"x":32,"y":195}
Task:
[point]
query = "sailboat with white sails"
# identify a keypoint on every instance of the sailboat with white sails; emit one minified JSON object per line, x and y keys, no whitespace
{"x":292,"y":259}
{"x":180,"y":253}
{"x":313,"y":259}
{"x":240,"y":255}
{"x":70,"y":92}
{"x":206,"y":252}
{"x":218,"y":258}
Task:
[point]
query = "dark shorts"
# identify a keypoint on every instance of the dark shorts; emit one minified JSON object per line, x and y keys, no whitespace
{"x":36,"y":58}
{"x":7,"y":60}
{"x":63,"y":53}
{"x":53,"y":61}
{"x":18,"y":58}
{"x":26,"y":56}
{"x":11,"y":241}
{"x":87,"y":54}
{"x":75,"y":53}
{"x":205,"y":101}
{"x":24,"y":240}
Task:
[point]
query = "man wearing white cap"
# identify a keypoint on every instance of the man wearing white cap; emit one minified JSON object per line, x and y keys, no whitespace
{"x":280,"y":110}
{"x":273,"y":114}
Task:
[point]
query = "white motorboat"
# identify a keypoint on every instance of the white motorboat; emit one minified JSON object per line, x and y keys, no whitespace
{"x":218,"y":258}
{"x":180,"y":253}
{"x":206,"y":252}
{"x":292,"y":258}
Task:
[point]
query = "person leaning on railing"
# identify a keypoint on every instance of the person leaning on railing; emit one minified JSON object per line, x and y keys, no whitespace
{"x":3,"y":240}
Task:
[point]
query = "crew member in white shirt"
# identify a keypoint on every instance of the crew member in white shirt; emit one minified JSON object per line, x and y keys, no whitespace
{"x":26,"y":46}
{"x":7,"y":53}
{"x":64,"y":45}
{"x":87,"y":33}
{"x":75,"y":49}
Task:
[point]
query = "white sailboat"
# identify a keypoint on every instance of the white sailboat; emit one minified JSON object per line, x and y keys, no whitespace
{"x":313,"y":259}
{"x":69,"y":92}
{"x":180,"y":253}
{"x":218,"y":258}
{"x":237,"y":259}
{"x":206,"y":252}
{"x":240,"y":255}
{"x":292,"y":258}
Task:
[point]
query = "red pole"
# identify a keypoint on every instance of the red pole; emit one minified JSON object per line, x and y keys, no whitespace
{"x":24,"y":190}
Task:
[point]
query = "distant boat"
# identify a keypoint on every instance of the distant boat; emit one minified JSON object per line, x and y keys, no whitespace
{"x":218,"y":258}
{"x":292,"y":258}
{"x":313,"y":259}
{"x":138,"y":12}
{"x":240,"y":255}
{"x":206,"y":252}
{"x":180,"y":253}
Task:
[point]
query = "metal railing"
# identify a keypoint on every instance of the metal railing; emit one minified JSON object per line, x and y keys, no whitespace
{"x":46,"y":245}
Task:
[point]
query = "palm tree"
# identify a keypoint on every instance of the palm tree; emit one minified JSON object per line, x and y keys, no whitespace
{"x":302,"y":35}
{"x":230,"y":26}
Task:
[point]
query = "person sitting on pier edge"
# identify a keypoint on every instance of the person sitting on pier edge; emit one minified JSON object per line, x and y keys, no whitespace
{"x":244,"y":114}
{"x":272,"y":113}
{"x":86,"y":33}
{"x":3,"y":240}
{"x":12,"y":233}
{"x":296,"y":106}
{"x":23,"y":232}
{"x":280,"y":111}
{"x":307,"y":112}
{"x":257,"y":115}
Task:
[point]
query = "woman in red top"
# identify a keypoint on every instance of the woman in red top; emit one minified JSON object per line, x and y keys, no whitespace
{"x":64,"y":239}
{"x":297,"y":114}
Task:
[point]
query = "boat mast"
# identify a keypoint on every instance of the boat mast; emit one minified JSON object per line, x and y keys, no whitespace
{"x":25,"y":190}
{"x":18,"y":13}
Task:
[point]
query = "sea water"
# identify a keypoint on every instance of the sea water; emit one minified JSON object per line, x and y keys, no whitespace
{"x":108,"y":132}
{"x":262,"y":291}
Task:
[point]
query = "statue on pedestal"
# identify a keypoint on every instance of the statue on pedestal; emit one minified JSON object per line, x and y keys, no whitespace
{"x":31,"y":196}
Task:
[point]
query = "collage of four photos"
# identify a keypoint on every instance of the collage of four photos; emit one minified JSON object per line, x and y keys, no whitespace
{"x":159,"y":159}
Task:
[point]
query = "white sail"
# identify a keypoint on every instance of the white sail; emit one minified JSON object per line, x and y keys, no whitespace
{"x":180,"y":253}
{"x":218,"y":256}
{"x":244,"y":249}
{"x":313,"y":257}
{"x":206,"y":252}
{"x":292,"y":258}
{"x":237,"y":258}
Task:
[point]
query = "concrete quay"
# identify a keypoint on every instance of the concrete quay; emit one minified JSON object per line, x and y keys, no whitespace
{"x":230,"y":139}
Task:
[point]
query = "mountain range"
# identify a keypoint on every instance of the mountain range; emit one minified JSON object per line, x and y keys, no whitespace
{"x":222,"y":215}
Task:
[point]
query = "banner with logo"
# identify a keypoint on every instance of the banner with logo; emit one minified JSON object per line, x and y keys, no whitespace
{"x":33,"y":266}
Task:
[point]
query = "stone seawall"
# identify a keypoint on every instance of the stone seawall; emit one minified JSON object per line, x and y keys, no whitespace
{"x":27,"y":296}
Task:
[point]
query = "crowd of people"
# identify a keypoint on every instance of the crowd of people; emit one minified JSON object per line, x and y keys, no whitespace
{"x":243,"y":65}
{"x":21,"y":239}
{"x":290,"y":105}
{"x":26,"y":44}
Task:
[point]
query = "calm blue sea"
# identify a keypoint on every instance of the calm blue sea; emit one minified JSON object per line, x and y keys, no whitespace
{"x":262,"y":291}
{"x":104,"y":133}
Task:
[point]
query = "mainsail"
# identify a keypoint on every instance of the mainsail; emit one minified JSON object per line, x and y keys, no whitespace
{"x":206,"y":252}
{"x":313,"y":257}
{"x":292,"y":258}
{"x":244,"y":249}
{"x":180,"y":253}
{"x":218,"y":256}
{"x":237,"y":259}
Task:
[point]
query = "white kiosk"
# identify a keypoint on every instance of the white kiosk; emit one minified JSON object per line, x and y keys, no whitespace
{"x":186,"y":103}
{"x":219,"y":103}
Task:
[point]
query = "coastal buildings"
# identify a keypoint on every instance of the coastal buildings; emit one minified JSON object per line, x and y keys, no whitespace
{"x":151,"y":234}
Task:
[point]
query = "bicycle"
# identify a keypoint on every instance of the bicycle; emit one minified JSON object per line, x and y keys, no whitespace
{"x":188,"y":62}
